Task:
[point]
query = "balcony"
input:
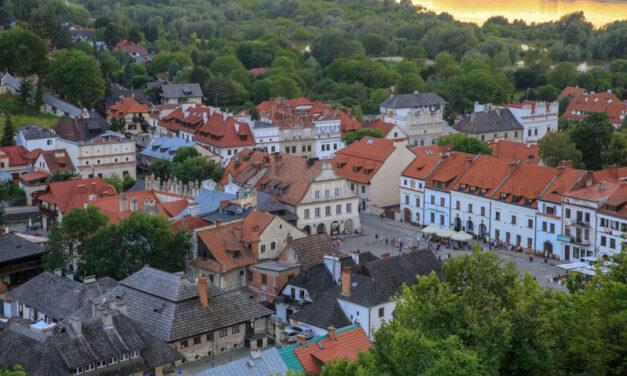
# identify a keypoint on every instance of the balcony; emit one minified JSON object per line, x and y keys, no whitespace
{"x":582,"y":224}
{"x":581,"y":241}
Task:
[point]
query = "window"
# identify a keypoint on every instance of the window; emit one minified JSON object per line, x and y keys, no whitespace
{"x":483,"y":211}
{"x":406,"y":200}
{"x":211,"y":278}
{"x":306,"y":213}
{"x":77,"y":370}
{"x":497,"y":234}
{"x":327,"y":211}
{"x":552,"y":231}
{"x":544,"y":226}
{"x":518,"y":239}
{"x":317,"y":212}
{"x":587,"y":217}
{"x":352,"y":186}
{"x":123,"y":357}
{"x":249,"y":275}
{"x":441,"y":220}
{"x":505,"y":134}
{"x":135,"y":354}
{"x":603,"y":241}
{"x":549,"y":210}
{"x":457,"y":205}
{"x":301,"y":294}
{"x":513,"y":219}
{"x":334,"y":146}
{"x":223,"y":333}
{"x":432,"y":217}
{"x":433,"y":199}
{"x":530,"y":223}
{"x":308,"y":147}
{"x":273,"y":246}
{"x":305,"y":148}
{"x":293,"y":149}
{"x":417,"y":202}
{"x":235,"y":329}
{"x":349,"y":208}
{"x":442,"y":201}
{"x":209,"y":336}
{"x":262,"y":249}
{"x":101,"y":363}
{"x":197,"y":340}
{"x":264,"y":279}
{"x":338,"y":209}
{"x":327,"y":193}
{"x":535,"y":132}
{"x":114,"y":359}
{"x":363,"y":189}
{"x":381,"y":311}
{"x":337,"y":192}
{"x":529,"y":132}
{"x":469,"y":208}
{"x":184,"y":344}
{"x":287,"y":150}
{"x":91,"y":366}
{"x":612,"y":243}
{"x":529,"y":243}
{"x":567,"y":215}
{"x":317,"y":194}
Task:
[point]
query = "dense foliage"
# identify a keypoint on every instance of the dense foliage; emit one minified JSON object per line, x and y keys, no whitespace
{"x":352,"y":136}
{"x":86,"y":244}
{"x":323,"y":49}
{"x":187,"y":166}
{"x":483,"y":318}
{"x":463,"y":143}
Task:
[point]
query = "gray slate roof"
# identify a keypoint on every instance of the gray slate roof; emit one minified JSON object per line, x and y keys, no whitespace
{"x":13,"y":247}
{"x":118,"y":92}
{"x":269,"y":363}
{"x":496,"y":120}
{"x":315,"y":280}
{"x":59,"y":297}
{"x":181,"y":91}
{"x":57,"y":103}
{"x":56,"y":353}
{"x":413,"y":100}
{"x":168,"y":306}
{"x":384,"y":278}
{"x":33,"y":132}
{"x":324,"y":312}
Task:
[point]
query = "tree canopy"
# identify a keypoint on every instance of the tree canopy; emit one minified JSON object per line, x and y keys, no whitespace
{"x":22,"y":52}
{"x":352,"y":136}
{"x":75,"y":76}
{"x":466,"y":144}
{"x":556,"y":147}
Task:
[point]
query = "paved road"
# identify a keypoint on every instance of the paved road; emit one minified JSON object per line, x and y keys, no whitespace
{"x":374,"y":225}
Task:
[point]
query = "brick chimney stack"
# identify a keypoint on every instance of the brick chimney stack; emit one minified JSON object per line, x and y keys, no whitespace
{"x":347,"y":274}
{"x":300,"y":338}
{"x":202,"y":291}
{"x":331,"y":333}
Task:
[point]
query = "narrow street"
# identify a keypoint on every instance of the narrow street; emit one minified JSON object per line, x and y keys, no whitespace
{"x":389,"y":228}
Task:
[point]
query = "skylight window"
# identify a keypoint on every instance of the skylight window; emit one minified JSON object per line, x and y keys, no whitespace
{"x":370,"y":141}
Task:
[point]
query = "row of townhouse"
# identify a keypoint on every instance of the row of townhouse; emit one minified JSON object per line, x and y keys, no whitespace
{"x":298,"y":127}
{"x":552,"y":210}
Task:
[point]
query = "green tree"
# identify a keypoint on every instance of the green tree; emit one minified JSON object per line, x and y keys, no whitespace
{"x":75,"y":76}
{"x":25,"y":95}
{"x":8,"y":133}
{"x":547,"y":93}
{"x":70,"y":240}
{"x":224,"y":65}
{"x":173,"y":69}
{"x":16,"y":371}
{"x":564,"y":74}
{"x":116,"y":182}
{"x":58,"y":176}
{"x":371,"y":106}
{"x":185,"y":152}
{"x":198,"y":169}
{"x":22,"y":52}
{"x":119,"y":250}
{"x":352,"y":136}
{"x":463,"y":143}
{"x":592,"y":136}
{"x":409,"y":83}
{"x":556,"y":147}
{"x":333,"y":44}
{"x":161,"y":168}
{"x":374,"y":44}
{"x":117,"y":125}
{"x":414,"y":52}
{"x":38,"y":100}
{"x":563,"y":105}
{"x":616,"y":153}
{"x":127,"y":76}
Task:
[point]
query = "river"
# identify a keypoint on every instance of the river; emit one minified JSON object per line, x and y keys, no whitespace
{"x":598,"y":13}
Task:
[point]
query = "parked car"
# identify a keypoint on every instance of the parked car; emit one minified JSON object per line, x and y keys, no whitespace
{"x":292,"y":331}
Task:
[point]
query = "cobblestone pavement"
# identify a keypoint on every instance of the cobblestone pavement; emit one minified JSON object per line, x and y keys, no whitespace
{"x":406,"y":232}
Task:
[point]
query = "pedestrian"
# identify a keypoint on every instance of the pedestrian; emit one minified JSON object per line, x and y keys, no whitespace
{"x":530,"y":257}
{"x":376,"y":236}
{"x":401,"y":243}
{"x":546,"y":256}
{"x":386,"y":241}
{"x":439,"y":257}
{"x":449,"y":256}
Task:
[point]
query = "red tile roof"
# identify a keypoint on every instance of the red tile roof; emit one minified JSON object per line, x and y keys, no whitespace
{"x":616,"y":205}
{"x":73,"y":193}
{"x":487,"y":173}
{"x":386,"y":128}
{"x":189,"y":223}
{"x":127,"y":106}
{"x":348,"y":344}
{"x":231,"y":244}
{"x":18,"y":155}
{"x":516,"y":150}
{"x":57,"y":160}
{"x":257,"y":71}
{"x":361,"y":160}
{"x":130,"y":47}
{"x":566,"y":180}
{"x":35,"y":175}
{"x":168,"y":204}
{"x":599,"y":191}
{"x":571,"y":92}
{"x":525,"y":185}
{"x":223,"y":132}
{"x":449,"y":169}
{"x":599,"y":102}
{"x":611,"y":173}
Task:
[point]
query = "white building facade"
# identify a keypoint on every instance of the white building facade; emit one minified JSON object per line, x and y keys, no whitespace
{"x":537,"y":119}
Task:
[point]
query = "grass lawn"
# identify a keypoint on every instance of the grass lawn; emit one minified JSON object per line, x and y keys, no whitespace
{"x":19,"y":118}
{"x":75,"y":5}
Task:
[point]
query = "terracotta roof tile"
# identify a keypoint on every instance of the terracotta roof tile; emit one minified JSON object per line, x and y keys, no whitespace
{"x":35,"y":175}
{"x":17,"y":155}
{"x":516,"y":150}
{"x":127,"y":106}
{"x":571,"y":92}
{"x":616,"y":205}
{"x":486,"y":172}
{"x":449,"y":169}
{"x":73,"y":193}
{"x":354,"y":157}
{"x":596,"y":192}
{"x":567,"y":180}
{"x":525,"y":184}
{"x":57,"y":160}
{"x":599,"y":102}
{"x":386,"y":128}
{"x":167,"y":204}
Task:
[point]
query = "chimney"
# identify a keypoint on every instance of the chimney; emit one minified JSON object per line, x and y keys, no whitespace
{"x":300,"y":338}
{"x":331,"y":333}
{"x":122,"y":308}
{"x":334,"y":266}
{"x":468,"y":163}
{"x":123,"y":203}
{"x":58,"y":272}
{"x":76,"y":325}
{"x":255,"y":354}
{"x":81,"y":188}
{"x":202,"y":291}
{"x":566,"y":164}
{"x":601,"y":186}
{"x":347,"y":273}
{"x":193,"y":208}
{"x":218,"y":222}
{"x":511,"y":168}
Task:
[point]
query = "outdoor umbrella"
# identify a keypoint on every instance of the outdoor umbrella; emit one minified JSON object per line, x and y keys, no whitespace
{"x":445,"y":233}
{"x":462,"y":236}
{"x":430,"y":230}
